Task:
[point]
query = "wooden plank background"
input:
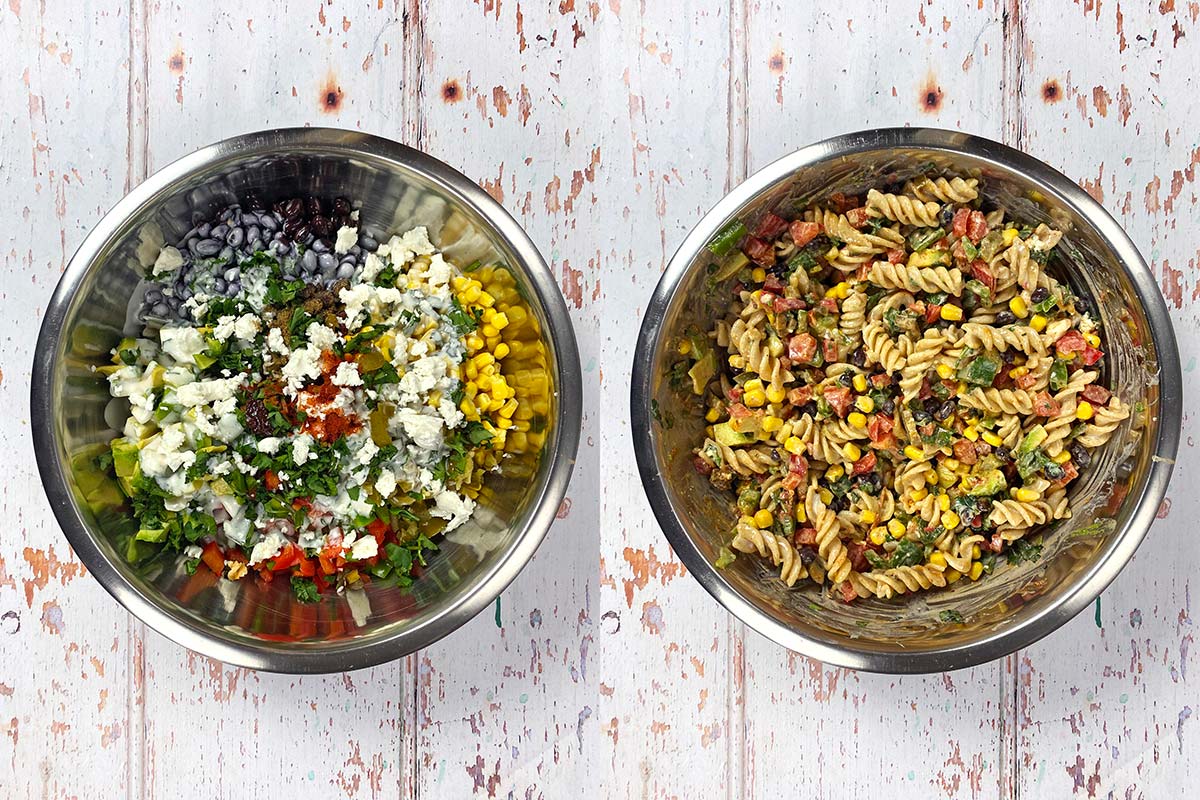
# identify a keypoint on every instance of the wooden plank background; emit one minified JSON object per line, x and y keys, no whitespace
{"x":606,"y":127}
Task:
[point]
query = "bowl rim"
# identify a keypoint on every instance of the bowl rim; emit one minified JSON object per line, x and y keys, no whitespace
{"x":1087,"y":586}
{"x":265,"y":655}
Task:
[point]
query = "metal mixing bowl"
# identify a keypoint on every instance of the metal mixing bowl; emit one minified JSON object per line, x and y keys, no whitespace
{"x":249,"y":623}
{"x":1114,"y":502}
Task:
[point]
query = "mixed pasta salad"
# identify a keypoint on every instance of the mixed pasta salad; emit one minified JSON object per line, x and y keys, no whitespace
{"x":901,"y":392}
{"x":313,"y":407}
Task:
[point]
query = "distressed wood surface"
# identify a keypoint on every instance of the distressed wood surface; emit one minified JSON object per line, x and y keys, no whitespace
{"x":606,"y":127}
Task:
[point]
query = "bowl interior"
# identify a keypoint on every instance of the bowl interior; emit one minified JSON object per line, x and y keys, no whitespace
{"x":395,"y":191}
{"x":866,"y":634}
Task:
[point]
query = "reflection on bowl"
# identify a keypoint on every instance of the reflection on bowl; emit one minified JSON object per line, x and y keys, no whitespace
{"x":1113,"y":503}
{"x":255,"y":624}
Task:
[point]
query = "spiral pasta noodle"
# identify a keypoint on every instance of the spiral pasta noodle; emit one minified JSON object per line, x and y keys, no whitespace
{"x":902,"y":396}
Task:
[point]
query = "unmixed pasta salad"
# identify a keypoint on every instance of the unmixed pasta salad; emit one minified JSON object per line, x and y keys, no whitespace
{"x":900,"y":393}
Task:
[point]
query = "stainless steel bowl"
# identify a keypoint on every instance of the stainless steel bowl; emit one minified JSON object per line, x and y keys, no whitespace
{"x":1114,"y":502}
{"x":246,"y":623}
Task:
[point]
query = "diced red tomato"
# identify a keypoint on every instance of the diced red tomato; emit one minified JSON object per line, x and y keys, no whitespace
{"x":735,"y":394}
{"x":996,"y":544}
{"x":857,"y":217}
{"x":798,"y":465}
{"x":896,"y":256}
{"x":800,"y":395}
{"x":977,"y":226}
{"x":759,"y":251}
{"x":829,"y":348}
{"x":981,"y":273}
{"x":212,"y":557}
{"x":271,"y":480}
{"x":839,"y":398}
{"x":770,"y":226}
{"x":1097,"y":395}
{"x":864,"y":465}
{"x":1069,"y":474}
{"x":288,"y":557}
{"x":805,"y":536}
{"x":958,"y":226}
{"x":880,"y":380}
{"x":1026,"y":381}
{"x":319,"y":580}
{"x":842,"y":202}
{"x":739,"y":411}
{"x":829,"y":304}
{"x":791,"y":481}
{"x":880,"y":428}
{"x":702,"y":466}
{"x":848,"y":593}
{"x":856,"y":551}
{"x":1044,"y":405}
{"x":1091,"y":355}
{"x":933,"y":312}
{"x":1070,"y":342}
{"x":964,"y":451}
{"x":302,"y":502}
{"x":773,"y":284}
{"x":766,"y":299}
{"x":804,"y":232}
{"x":306,"y":567}
{"x":926,"y":390}
{"x":783,"y":304}
{"x":1003,"y":379}
{"x":802,"y":347}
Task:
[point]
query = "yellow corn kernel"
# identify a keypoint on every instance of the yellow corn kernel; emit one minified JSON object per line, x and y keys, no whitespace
{"x":914,"y":452}
{"x":843,"y":290}
{"x":945,"y":371}
{"x":470,"y":295}
{"x":474,"y":342}
{"x":458,"y":283}
{"x":683,"y":348}
{"x":509,"y":408}
{"x":776,"y":394}
{"x":851,"y":451}
{"x":860,"y":383}
{"x":952,"y":313}
{"x":755,"y":399}
{"x":775,"y":346}
{"x":976,"y":570}
{"x":867,"y":516}
{"x":944,"y":502}
{"x":1017,"y":372}
{"x":467,"y":407}
{"x":713,"y":414}
{"x":500,"y":321}
{"x":482,"y":401}
{"x":801,"y":514}
{"x":937,"y":558}
{"x":896,"y":528}
{"x":763,"y":518}
{"x":857,"y":419}
{"x":932,"y":478}
{"x":471,"y":371}
{"x":1010,"y":236}
{"x":483,"y":359}
{"x":920,"y":494}
{"x":961,"y":388}
{"x":951,"y":463}
{"x":756,"y":295}
{"x":992,"y":439}
{"x":504,"y":422}
{"x":1018,"y":307}
{"x":748,"y":520}
{"x":826,"y":496}
{"x":952,"y":575}
{"x":971,"y":433}
{"x":489,"y":331}
{"x":976,"y":552}
{"x":486,"y":300}
{"x":758,"y":274}
{"x":737,"y":362}
{"x":831,"y":255}
{"x":753,"y":385}
{"x":489,"y":314}
{"x":1028,"y":495}
{"x":835,"y":472}
{"x":1062,"y":457}
{"x":950,"y":520}
{"x":501,"y":351}
{"x":794,"y":445}
{"x":1084,"y":410}
{"x":864,"y":404}
{"x":1092,"y":339}
{"x":771,"y":424}
{"x":878,"y":535}
{"x":1038,"y":322}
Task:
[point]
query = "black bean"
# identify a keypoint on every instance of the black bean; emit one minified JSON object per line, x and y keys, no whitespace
{"x":1080,"y":455}
{"x":197,"y":218}
{"x":1003,"y":453}
{"x":922,"y":417}
{"x":946,"y":216}
{"x":219,"y":285}
{"x":809,"y":408}
{"x":1005,"y":318}
{"x":234,"y":289}
{"x":256,"y":245}
{"x":889,"y":406}
{"x":160,"y":309}
{"x":341,"y":206}
{"x":253,"y":232}
{"x":291,"y":209}
{"x":1008,"y":356}
{"x":859,"y":358}
{"x":235,"y":237}
{"x":207,"y":247}
{"x":153,"y":295}
{"x":345,"y":271}
{"x":370,"y":245}
{"x":896,"y":376}
{"x":281,"y":247}
{"x":355,"y":250}
{"x":327,"y":261}
{"x":184,"y":294}
{"x":1083,"y":305}
{"x":226,"y":253}
{"x":321,"y":246}
{"x":312,"y":205}
{"x":219,"y":231}
{"x":309,"y":260}
{"x":1040,"y":294}
{"x":945,"y":411}
{"x":204,"y":231}
{"x":808,"y":554}
{"x":232,"y":274}
{"x":269,"y":222}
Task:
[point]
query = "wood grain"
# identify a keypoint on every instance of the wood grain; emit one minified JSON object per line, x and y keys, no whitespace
{"x":606,"y":127}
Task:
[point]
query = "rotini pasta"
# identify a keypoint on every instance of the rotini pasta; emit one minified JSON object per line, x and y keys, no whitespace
{"x":901,"y":392}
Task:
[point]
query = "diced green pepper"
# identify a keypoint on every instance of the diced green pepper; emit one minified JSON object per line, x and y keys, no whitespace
{"x":727,"y":238}
{"x":980,"y":371}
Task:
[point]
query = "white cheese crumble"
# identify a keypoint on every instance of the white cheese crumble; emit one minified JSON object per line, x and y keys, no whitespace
{"x":347,"y":375}
{"x":182,"y":344}
{"x":267,"y":548}
{"x":453,"y":507}
{"x":385,"y":484}
{"x":276,"y":343}
{"x":302,"y":449}
{"x":303,"y":365}
{"x":366,"y":547}
{"x":347,"y":237}
{"x":322,"y":336}
{"x":247,"y":327}
{"x":269,"y":445}
{"x":169,"y":259}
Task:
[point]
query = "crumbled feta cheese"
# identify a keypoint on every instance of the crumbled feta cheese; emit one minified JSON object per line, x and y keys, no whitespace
{"x":372,"y":266}
{"x":424,"y":430}
{"x":192,"y":551}
{"x":347,"y":375}
{"x":197,"y":305}
{"x":247,"y":327}
{"x":276,"y":343}
{"x":453,"y":507}
{"x":182,"y":344}
{"x":169,"y":259}
{"x":303,"y":365}
{"x":224,"y":327}
{"x":366,"y":547}
{"x":166,"y":452}
{"x":228,"y":427}
{"x":267,"y":548}
{"x":322,"y":336}
{"x":198,"y":393}
{"x":385,"y":484}
{"x":302,"y":449}
{"x":438,"y":272}
{"x":237,"y":529}
{"x":269,"y":445}
{"x":409,"y":245}
{"x":347,"y":237}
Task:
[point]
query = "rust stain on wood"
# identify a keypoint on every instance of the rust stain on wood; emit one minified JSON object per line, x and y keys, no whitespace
{"x":930,"y":96}
{"x":44,"y":565}
{"x":451,"y":91}
{"x":331,"y":96}
{"x":1052,"y":91}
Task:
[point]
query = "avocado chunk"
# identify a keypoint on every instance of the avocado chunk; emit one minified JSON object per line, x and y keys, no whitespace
{"x":151,"y":535}
{"x":1032,"y":441}
{"x":985,"y":483}
{"x":125,"y":462}
{"x":724,"y":433}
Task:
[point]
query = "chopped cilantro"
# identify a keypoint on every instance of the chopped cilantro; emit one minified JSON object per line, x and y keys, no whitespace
{"x":950,"y":615}
{"x":305,"y":590}
{"x":1023,"y":550}
{"x":463,"y":321}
